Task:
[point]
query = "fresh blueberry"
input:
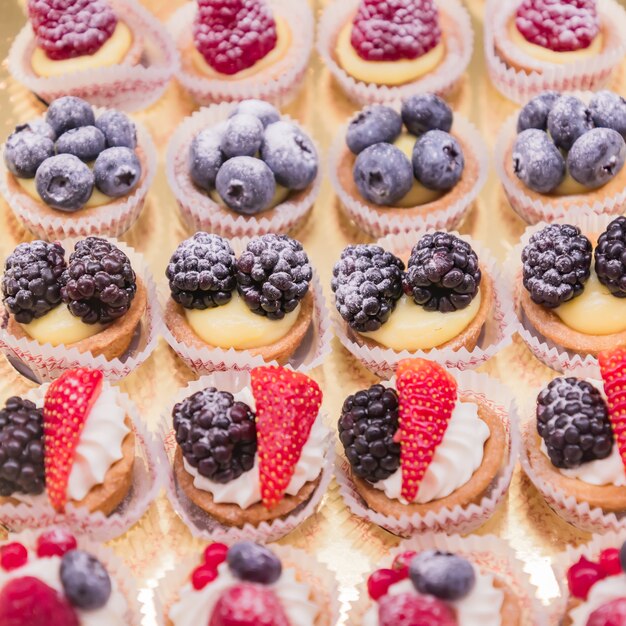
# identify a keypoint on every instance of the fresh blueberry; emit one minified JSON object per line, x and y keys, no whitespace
{"x":25,"y":151}
{"x":69,"y":112}
{"x":246,"y":185}
{"x":597,"y":157}
{"x":537,"y":162}
{"x":290,"y":154}
{"x":117,"y":171}
{"x":206,"y":156}
{"x":85,"y":142}
{"x":254,"y":563}
{"x":243,"y":136}
{"x":535,"y":113}
{"x":267,"y":113}
{"x":39,"y":127}
{"x":622,"y":556}
{"x":118,"y":129}
{"x":438,"y":160}
{"x":383,"y":174}
{"x":608,"y":110}
{"x":86,"y":582}
{"x":568,"y":119}
{"x":374,"y":124}
{"x":424,"y":112}
{"x":441,"y":574}
{"x":64,"y":182}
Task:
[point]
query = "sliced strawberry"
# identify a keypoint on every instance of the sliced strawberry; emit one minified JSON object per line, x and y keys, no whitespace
{"x":613,"y":367}
{"x":427,"y":394}
{"x":67,"y":404}
{"x":287,"y":404}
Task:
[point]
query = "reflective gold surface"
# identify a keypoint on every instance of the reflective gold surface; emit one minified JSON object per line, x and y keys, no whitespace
{"x":349,"y":545}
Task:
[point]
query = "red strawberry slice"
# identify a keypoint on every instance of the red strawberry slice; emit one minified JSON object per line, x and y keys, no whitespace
{"x":427,"y":394}
{"x":287,"y":404}
{"x":67,"y":404}
{"x":613,"y":367}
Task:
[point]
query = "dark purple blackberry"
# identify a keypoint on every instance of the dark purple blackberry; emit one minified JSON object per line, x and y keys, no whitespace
{"x":202,"y":272}
{"x":367,"y":283}
{"x":573,"y":420}
{"x":30,"y":285}
{"x":368,"y":423}
{"x":273,"y":275}
{"x":21,"y":448}
{"x":556,"y":264}
{"x":442,"y":273}
{"x":610,"y":257}
{"x":99,"y":284}
{"x":217,"y":435}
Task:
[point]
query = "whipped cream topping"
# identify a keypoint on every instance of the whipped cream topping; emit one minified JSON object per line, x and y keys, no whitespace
{"x":603,"y":592}
{"x":194,"y":608}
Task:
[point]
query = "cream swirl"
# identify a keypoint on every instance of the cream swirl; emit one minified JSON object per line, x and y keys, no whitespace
{"x":603,"y":592}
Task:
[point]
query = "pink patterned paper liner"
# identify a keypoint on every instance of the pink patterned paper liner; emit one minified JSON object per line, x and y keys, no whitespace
{"x":496,"y":335}
{"x":200,"y":523}
{"x":47,"y":362}
{"x":278,"y":84}
{"x":201,"y":212}
{"x":148,"y":478}
{"x":588,"y":74}
{"x":174,"y":579}
{"x":460,"y":519}
{"x":128,"y":87}
{"x":378,"y":225}
{"x":442,"y":80}
{"x":107,"y":220}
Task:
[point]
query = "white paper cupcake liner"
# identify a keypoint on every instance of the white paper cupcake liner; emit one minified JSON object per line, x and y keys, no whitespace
{"x":108,"y":220}
{"x":200,"y":212}
{"x":460,"y":519}
{"x":380,"y":224}
{"x":497,"y":332}
{"x":278,"y":83}
{"x":44,"y":362}
{"x":128,"y":87}
{"x":588,"y":74}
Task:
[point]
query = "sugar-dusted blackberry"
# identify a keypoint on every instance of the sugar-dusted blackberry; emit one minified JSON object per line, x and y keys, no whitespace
{"x":443,"y":273}
{"x":573,"y":420}
{"x":367,"y":283}
{"x":99,"y":283}
{"x":610,"y":257}
{"x":30,"y":284}
{"x":21,"y":448}
{"x":273,"y":275}
{"x":556,"y":264}
{"x":202,"y":272}
{"x":368,"y":423}
{"x":217,"y":435}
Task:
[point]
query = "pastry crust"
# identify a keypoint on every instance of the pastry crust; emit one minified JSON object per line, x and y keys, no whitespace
{"x":572,"y":603}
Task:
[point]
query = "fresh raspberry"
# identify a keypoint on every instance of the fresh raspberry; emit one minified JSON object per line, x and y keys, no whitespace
{"x":379,"y":582}
{"x":71,"y":28}
{"x":613,"y":368}
{"x":411,"y":609}
{"x":248,"y":605}
{"x":28,"y":601}
{"x":611,"y":614}
{"x":582,"y":576}
{"x":559,"y":25}
{"x":202,"y":576}
{"x":12,"y":556}
{"x":233,"y":35}
{"x":388,"y":30}
{"x":609,"y":562}
{"x":215,"y":554}
{"x":55,"y":542}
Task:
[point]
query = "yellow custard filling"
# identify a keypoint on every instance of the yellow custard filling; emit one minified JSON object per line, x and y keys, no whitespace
{"x":280,"y":195}
{"x":233,"y":325}
{"x":411,"y":327}
{"x":59,"y":327}
{"x":570,"y":187}
{"x":112,"y":52}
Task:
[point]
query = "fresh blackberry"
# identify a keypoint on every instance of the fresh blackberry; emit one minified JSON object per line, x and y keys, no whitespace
{"x":367,"y":283}
{"x":442,"y":273}
{"x":610,"y":257}
{"x":202,"y":272}
{"x":99,"y":284}
{"x":573,"y":420}
{"x":216,"y":434}
{"x":21,"y":448}
{"x":556,"y":264}
{"x":273,"y":275}
{"x":30,"y":284}
{"x":368,"y":423}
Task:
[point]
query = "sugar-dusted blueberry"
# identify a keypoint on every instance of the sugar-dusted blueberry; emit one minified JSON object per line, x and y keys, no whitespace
{"x":597,"y":157}
{"x":64,"y":182}
{"x":622,"y":556}
{"x":374,"y":124}
{"x":242,"y":136}
{"x":608,"y":110}
{"x":85,"y":142}
{"x":569,"y":118}
{"x":254,"y":563}
{"x":69,"y":112}
{"x":424,"y":112}
{"x":266,"y":112}
{"x":442,"y":574}
{"x":537,"y":162}
{"x":246,"y":185}
{"x":438,"y":160}
{"x":25,"y":151}
{"x":117,"y":171}
{"x":39,"y":127}
{"x":118,"y":129}
{"x":535,"y":113}
{"x":86,"y":582}
{"x":206,"y":156}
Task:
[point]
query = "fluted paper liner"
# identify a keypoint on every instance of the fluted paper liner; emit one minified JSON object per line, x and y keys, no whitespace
{"x":201,"y":212}
{"x":460,"y":519}
{"x":47,"y":362}
{"x":122,"y":86}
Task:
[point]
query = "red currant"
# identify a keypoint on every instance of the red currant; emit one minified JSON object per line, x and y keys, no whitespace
{"x":379,"y":582}
{"x":609,"y":562}
{"x":215,"y":554}
{"x":582,"y":576}
{"x":12,"y":556}
{"x":55,"y":542}
{"x":202,"y":576}
{"x":402,"y":561}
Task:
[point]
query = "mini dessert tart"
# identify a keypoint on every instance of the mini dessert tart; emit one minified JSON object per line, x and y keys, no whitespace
{"x":564,"y":152}
{"x":243,"y":49}
{"x":419,"y":449}
{"x":243,"y":170}
{"x":380,"y":52}
{"x":397,"y":172}
{"x":72,"y":174}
